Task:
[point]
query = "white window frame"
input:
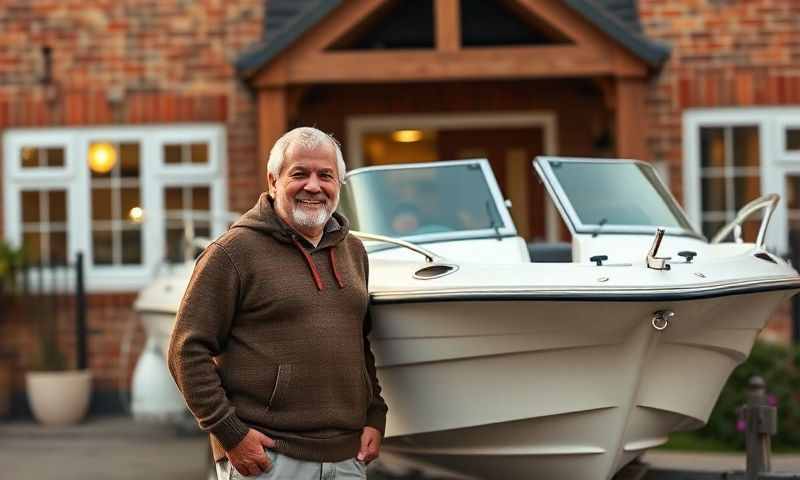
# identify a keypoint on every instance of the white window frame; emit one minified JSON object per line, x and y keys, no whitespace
{"x":74,"y":177}
{"x":776,"y":161}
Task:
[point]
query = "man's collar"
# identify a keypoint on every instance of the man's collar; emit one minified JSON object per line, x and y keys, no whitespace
{"x":332,"y":225}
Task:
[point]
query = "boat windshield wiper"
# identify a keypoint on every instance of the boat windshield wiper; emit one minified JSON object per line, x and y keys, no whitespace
{"x":600,"y":224}
{"x":492,"y":221}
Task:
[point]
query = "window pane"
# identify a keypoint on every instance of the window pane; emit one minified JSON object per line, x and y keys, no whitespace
{"x":199,"y":153}
{"x":201,"y":198}
{"x":202,"y":229}
{"x":714,"y":194}
{"x":130,"y":199}
{"x":102,"y":247}
{"x":32,"y":243}
{"x":30,"y":207}
{"x":57,"y":205}
{"x":793,"y":139}
{"x":55,"y":157}
{"x":29,"y":157}
{"x":129,"y":160}
{"x":172,"y":154}
{"x":712,"y":147}
{"x":174,"y":246}
{"x":132,"y":247}
{"x":58,"y":248}
{"x":745,"y":189}
{"x":101,"y":204}
{"x":745,"y":147}
{"x":173,"y":198}
{"x":793,"y":191}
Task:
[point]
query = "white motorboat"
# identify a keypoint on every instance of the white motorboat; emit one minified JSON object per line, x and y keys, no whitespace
{"x":497,"y":367}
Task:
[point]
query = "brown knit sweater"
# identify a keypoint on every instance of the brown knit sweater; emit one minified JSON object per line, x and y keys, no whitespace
{"x":271,"y":334}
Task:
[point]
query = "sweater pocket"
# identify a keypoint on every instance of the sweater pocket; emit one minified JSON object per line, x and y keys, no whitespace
{"x":310,"y":396}
{"x":281,"y":376}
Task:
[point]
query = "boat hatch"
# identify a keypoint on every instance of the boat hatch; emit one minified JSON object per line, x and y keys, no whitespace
{"x":427,"y":202}
{"x":600,"y":196}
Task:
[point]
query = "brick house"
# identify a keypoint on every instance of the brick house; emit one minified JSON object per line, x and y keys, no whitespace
{"x":189,"y":96}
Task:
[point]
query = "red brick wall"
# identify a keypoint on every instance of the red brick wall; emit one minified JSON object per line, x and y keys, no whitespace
{"x":725,"y":53}
{"x":119,"y":63}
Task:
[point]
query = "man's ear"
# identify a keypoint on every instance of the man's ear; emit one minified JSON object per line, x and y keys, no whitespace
{"x":271,"y":180}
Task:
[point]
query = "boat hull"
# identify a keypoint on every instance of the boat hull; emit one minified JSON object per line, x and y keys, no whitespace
{"x":554,"y":389}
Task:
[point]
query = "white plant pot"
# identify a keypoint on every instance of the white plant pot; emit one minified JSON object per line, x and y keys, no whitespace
{"x":59,"y":398}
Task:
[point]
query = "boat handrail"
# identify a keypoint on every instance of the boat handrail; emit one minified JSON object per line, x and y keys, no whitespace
{"x":430,"y":257}
{"x":768,"y":202}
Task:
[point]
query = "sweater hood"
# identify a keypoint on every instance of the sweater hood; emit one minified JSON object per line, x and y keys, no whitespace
{"x":263,"y":218}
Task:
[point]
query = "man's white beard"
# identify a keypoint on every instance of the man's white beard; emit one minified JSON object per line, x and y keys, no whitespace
{"x":314,"y":219}
{"x":311,"y":219}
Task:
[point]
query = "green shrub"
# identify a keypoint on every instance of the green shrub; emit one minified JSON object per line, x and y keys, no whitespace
{"x":780,"y":367}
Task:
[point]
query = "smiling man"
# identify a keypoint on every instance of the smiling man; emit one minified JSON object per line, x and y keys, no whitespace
{"x":270,"y":345}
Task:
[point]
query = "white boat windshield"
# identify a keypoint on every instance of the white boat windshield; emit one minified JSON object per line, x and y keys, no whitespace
{"x":426,"y":202}
{"x":611,"y":196}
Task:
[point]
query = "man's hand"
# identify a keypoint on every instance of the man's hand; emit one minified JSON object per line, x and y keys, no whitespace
{"x":370,"y":445}
{"x":249,"y":457}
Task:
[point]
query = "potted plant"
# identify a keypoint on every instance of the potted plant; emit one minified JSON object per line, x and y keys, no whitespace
{"x":57,"y":394}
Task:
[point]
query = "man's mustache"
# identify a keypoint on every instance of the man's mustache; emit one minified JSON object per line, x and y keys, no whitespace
{"x":314,"y":198}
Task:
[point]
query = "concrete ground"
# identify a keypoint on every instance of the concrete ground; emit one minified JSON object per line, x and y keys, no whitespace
{"x":120,"y":448}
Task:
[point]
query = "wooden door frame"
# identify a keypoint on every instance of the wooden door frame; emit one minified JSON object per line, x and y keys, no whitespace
{"x":358,"y":125}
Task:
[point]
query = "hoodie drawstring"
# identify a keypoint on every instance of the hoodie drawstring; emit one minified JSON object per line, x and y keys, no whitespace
{"x":313,"y":267}
{"x":332,"y":256}
{"x":310,"y":261}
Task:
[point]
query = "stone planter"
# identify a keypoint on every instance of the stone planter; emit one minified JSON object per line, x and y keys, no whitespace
{"x":59,"y":398}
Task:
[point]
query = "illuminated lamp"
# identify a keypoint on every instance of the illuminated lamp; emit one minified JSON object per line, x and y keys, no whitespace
{"x":102,"y":157}
{"x":407,"y":136}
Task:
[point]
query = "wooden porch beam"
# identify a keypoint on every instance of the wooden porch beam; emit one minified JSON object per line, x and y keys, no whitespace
{"x":448,"y":25}
{"x":272,"y":123}
{"x":478,"y":63}
{"x":631,"y":118}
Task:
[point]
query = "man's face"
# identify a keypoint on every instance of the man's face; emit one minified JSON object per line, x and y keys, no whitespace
{"x":307,"y":188}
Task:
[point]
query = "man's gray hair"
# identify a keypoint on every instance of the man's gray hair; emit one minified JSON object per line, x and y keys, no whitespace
{"x":308,"y":138}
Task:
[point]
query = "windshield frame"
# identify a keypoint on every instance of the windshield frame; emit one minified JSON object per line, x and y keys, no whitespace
{"x":504,"y":230}
{"x":542,"y":165}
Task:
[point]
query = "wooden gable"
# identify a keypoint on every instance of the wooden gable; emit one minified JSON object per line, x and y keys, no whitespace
{"x":567,"y":46}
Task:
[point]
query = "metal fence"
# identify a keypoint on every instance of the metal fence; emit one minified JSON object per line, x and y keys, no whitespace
{"x":47,"y":297}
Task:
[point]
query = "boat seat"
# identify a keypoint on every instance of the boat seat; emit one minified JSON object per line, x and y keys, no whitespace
{"x":547,"y":252}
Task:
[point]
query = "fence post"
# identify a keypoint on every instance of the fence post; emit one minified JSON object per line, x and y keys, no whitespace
{"x":80,"y":314}
{"x":761,"y":424}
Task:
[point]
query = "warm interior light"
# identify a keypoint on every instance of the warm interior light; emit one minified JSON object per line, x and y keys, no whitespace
{"x":102,"y":157}
{"x":407,"y":136}
{"x":136,"y":214}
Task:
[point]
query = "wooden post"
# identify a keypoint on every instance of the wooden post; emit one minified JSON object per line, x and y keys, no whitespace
{"x":448,"y":25}
{"x":272,"y":123}
{"x":631,"y":118}
{"x":761,"y":424}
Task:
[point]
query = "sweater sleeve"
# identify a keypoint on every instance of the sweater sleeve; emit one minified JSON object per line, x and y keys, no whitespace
{"x":201,"y":328}
{"x":376,"y":411}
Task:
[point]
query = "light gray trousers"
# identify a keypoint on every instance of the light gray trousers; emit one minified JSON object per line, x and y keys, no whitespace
{"x":288,"y":468}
